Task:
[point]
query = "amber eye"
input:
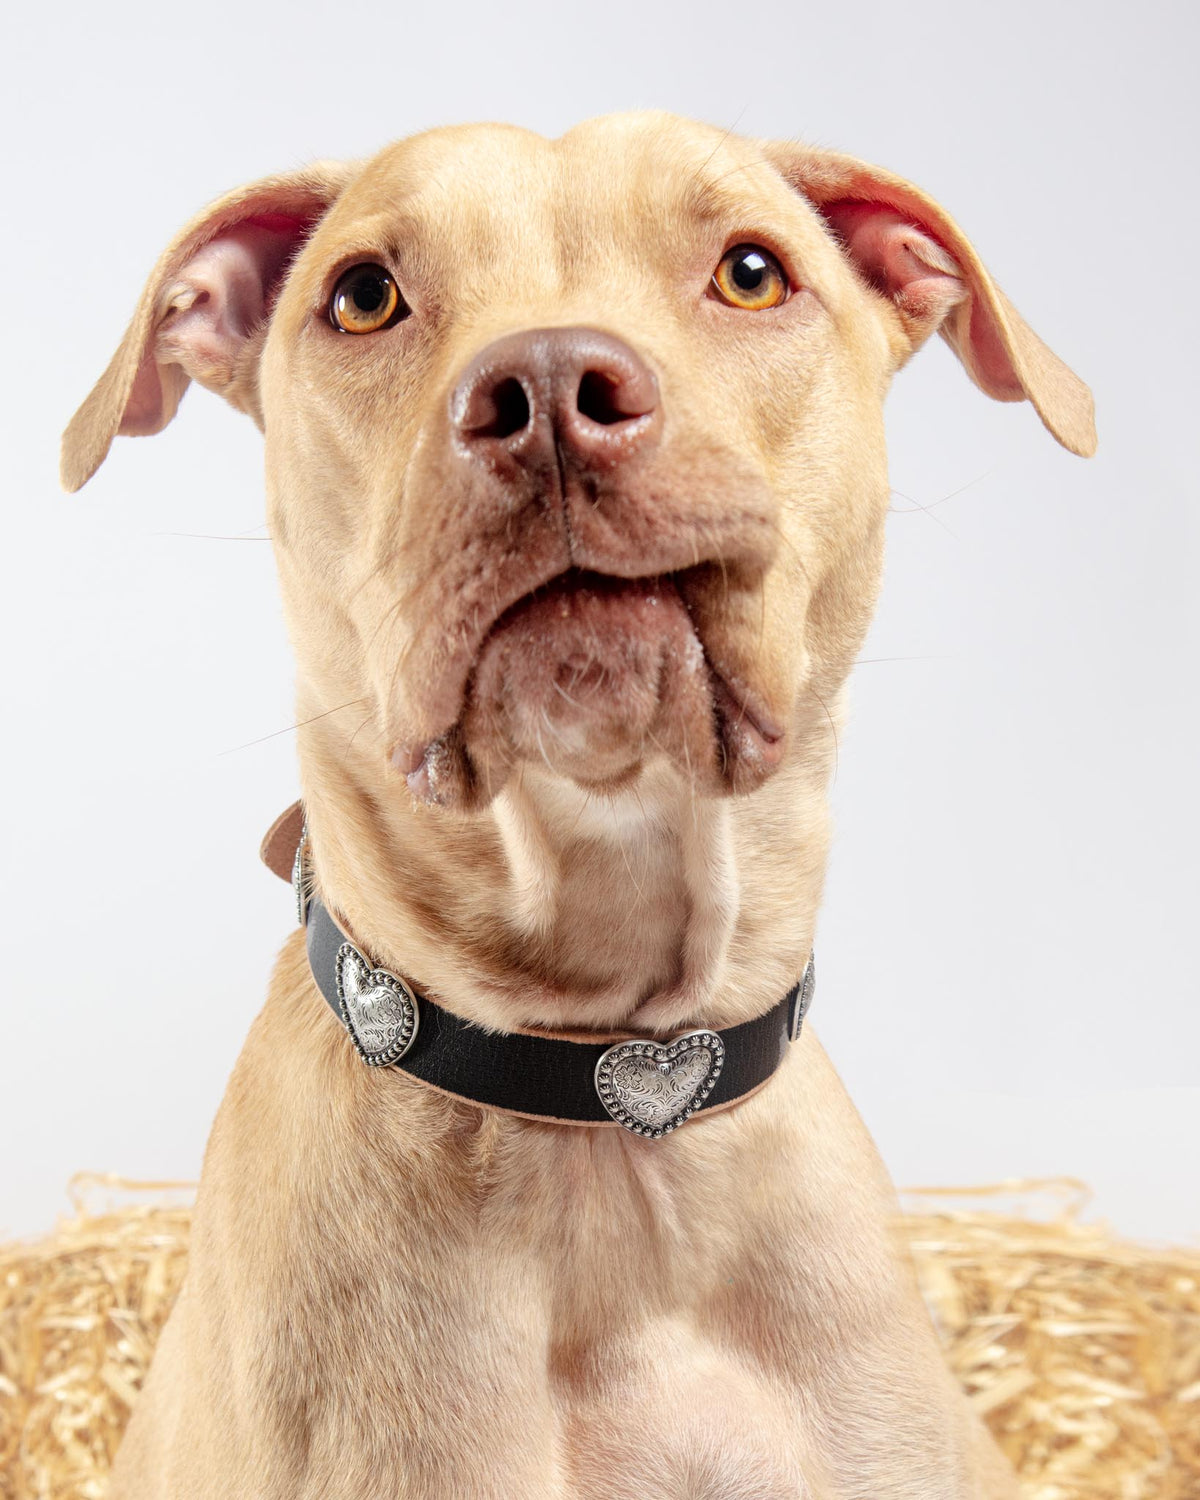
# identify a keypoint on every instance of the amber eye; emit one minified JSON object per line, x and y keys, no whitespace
{"x":750,"y":277}
{"x":365,"y":300}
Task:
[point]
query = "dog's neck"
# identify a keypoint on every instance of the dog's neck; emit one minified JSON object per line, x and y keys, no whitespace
{"x":651,"y":908}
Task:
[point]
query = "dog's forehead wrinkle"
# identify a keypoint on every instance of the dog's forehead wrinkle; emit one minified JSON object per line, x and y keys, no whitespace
{"x":695,"y":168}
{"x":455,"y":201}
{"x":519,"y":208}
{"x":454,"y":151}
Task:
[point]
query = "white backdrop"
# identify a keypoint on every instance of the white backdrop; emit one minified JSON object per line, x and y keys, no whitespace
{"x":1006,"y":956}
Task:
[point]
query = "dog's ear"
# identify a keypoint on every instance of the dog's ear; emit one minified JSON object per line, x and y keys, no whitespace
{"x":202,"y":314}
{"x":912,"y":252}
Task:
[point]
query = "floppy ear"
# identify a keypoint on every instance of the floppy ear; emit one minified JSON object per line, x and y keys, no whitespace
{"x":202,"y":314}
{"x":912,"y":252}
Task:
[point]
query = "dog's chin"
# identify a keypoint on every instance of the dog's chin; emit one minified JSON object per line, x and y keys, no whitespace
{"x":591,"y":677}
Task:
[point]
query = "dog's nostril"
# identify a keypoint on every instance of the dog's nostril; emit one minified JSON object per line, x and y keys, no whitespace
{"x":555,"y":389}
{"x":599,"y":399}
{"x":506,"y":413}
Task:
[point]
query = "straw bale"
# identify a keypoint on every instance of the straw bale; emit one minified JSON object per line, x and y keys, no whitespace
{"x":1080,"y":1349}
{"x":79,"y":1314}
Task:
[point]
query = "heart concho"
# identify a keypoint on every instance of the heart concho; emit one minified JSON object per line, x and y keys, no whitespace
{"x":301,"y":877}
{"x":380,"y":1011}
{"x":651,"y":1088}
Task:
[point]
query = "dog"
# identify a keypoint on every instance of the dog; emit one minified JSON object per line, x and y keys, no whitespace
{"x":577,"y":485}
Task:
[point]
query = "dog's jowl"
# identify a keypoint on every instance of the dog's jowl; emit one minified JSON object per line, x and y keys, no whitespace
{"x":529,"y":1183}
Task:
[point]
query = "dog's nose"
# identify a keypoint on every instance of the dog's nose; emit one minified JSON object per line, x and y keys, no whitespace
{"x":577,"y":390}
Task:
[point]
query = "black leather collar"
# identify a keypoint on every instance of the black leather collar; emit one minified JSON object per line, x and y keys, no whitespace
{"x":649,"y":1085}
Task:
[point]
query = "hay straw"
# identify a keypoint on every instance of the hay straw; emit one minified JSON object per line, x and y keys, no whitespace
{"x":1081,"y":1350}
{"x":79,"y":1314}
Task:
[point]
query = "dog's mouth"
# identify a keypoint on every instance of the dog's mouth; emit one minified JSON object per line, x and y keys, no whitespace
{"x":591,"y":675}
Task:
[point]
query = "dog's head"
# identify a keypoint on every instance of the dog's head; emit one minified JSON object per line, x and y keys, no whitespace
{"x":575,"y":447}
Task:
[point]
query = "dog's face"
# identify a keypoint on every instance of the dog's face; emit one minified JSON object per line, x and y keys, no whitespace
{"x":575,"y":503}
{"x":575,"y":447}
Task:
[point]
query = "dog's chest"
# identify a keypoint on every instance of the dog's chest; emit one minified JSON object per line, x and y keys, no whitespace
{"x":656,"y":1391}
{"x":676,"y":1418}
{"x":569,"y":1374}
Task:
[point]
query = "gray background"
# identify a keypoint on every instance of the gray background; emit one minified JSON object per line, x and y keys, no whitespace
{"x":1006,"y":952}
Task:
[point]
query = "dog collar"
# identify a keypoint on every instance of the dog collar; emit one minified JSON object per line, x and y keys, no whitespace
{"x":649,"y":1085}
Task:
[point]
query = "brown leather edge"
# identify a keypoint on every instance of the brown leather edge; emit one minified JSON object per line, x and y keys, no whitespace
{"x":517,"y":1114}
{"x":278,"y":848}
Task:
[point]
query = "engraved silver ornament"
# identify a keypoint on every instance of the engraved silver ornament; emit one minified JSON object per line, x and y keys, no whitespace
{"x":651,"y":1088}
{"x":380,"y":1011}
{"x":301,"y":877}
{"x":808,"y":983}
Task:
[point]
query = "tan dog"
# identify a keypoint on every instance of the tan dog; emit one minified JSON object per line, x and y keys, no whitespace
{"x":578,"y":516}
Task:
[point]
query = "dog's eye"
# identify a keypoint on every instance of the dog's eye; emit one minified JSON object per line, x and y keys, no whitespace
{"x":750,"y":277}
{"x":366,"y":299}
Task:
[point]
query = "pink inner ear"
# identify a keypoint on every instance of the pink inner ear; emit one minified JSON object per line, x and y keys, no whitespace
{"x":931,"y":291}
{"x":900,"y":260}
{"x":221,"y":296}
{"x":153,"y":400}
{"x":218,"y":299}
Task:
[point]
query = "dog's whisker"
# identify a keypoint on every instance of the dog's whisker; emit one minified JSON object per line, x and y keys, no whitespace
{"x":832,"y":730}
{"x":708,"y":160}
{"x":915,"y":508}
{"x":562,"y":692}
{"x":945,"y":499}
{"x":291,"y":728}
{"x":743,"y":166}
{"x":358,"y":731}
{"x":207,"y":536}
{"x":870,"y":661}
{"x":537,"y":729}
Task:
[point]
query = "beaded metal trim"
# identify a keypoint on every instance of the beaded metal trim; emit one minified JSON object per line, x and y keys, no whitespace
{"x":652,"y":1088}
{"x":380,"y":1011}
{"x":301,"y":877}
{"x":808,"y":983}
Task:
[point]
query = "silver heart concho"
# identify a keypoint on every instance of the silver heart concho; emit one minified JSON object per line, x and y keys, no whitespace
{"x":380,"y":1011}
{"x":808,"y":983}
{"x":651,"y":1088}
{"x":301,"y":877}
